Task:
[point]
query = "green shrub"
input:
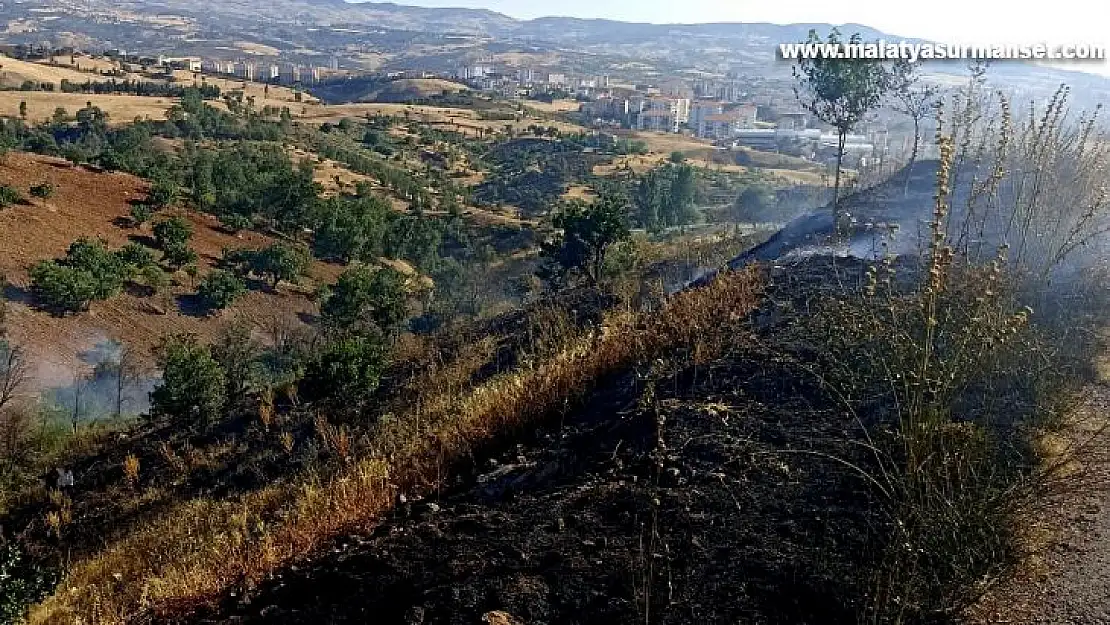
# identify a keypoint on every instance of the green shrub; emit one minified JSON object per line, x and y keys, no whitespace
{"x":89,"y":272}
{"x":163,"y":193}
{"x":62,"y":289}
{"x":220,"y":289}
{"x":173,"y":232}
{"x":365,"y":297}
{"x":141,"y":213}
{"x":43,"y":190}
{"x":234,"y":222}
{"x":153,"y":277}
{"x":193,"y":383}
{"x":9,"y":195}
{"x":22,"y":583}
{"x":347,"y":370}
{"x":178,"y":256}
{"x":107,"y":269}
{"x":280,"y":261}
{"x":136,"y":255}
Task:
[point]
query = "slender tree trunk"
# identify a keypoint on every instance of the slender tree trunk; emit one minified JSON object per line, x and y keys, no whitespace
{"x":76,"y":403}
{"x":841,"y":138}
{"x":913,"y":153}
{"x":119,"y":389}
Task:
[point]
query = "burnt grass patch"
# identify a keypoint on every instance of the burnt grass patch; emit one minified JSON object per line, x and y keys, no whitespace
{"x":716,"y":493}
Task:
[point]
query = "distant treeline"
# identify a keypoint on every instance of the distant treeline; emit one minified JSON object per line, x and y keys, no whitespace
{"x":123,"y":87}
{"x":140,"y":88}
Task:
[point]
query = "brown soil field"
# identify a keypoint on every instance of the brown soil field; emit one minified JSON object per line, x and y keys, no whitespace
{"x":93,"y":204}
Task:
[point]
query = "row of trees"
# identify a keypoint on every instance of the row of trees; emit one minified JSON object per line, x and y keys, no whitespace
{"x":137,"y":87}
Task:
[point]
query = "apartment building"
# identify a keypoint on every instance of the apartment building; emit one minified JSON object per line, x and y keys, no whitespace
{"x":657,"y":120}
{"x":701,"y":109}
{"x":727,"y":123}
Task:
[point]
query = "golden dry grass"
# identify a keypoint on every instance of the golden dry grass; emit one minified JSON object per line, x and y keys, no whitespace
{"x":558,"y":106}
{"x":14,"y":72}
{"x":198,"y":549}
{"x":121,"y":109}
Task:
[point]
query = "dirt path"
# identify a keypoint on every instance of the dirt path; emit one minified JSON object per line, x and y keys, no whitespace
{"x":1068,"y":581}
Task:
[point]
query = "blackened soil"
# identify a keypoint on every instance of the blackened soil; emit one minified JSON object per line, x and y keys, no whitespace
{"x":711,"y":499}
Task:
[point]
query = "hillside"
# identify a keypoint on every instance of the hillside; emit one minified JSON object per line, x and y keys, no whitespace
{"x":14,"y":72}
{"x":91,"y":204}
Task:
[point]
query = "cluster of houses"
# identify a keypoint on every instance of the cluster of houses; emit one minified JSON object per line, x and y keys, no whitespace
{"x":670,"y":108}
{"x":709,"y":119}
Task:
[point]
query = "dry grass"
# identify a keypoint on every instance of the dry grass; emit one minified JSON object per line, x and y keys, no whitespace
{"x":14,"y":71}
{"x":558,"y":106}
{"x":121,"y":109}
{"x":200,"y":549}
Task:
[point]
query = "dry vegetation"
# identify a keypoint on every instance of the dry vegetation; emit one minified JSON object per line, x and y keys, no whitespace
{"x":196,"y":550}
{"x":945,"y":376}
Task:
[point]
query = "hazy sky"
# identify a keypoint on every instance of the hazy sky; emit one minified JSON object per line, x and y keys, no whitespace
{"x":968,"y":21}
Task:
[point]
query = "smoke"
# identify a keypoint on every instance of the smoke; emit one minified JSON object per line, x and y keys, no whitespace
{"x":96,"y":391}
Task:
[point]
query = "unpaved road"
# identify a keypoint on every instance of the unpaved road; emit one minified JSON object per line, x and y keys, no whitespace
{"x":1067,"y":582}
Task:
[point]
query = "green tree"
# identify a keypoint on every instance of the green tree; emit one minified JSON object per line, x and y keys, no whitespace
{"x":650,"y":200}
{"x":588,"y":232}
{"x":680,"y":200}
{"x":194,"y":386}
{"x":178,"y":256}
{"x":352,"y":229}
{"x":347,"y":370}
{"x":239,"y":355}
{"x":839,"y":92}
{"x":107,"y":269}
{"x":234,"y":222}
{"x":173,"y":232}
{"x":220,"y":289}
{"x":141,"y":213}
{"x":136,"y":255}
{"x":365,"y":297}
{"x":280,"y":261}
{"x":62,"y":289}
{"x":163,"y":193}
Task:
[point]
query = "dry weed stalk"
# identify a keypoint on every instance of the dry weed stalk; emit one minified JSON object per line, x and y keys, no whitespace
{"x":945,"y":372}
{"x":131,"y":470}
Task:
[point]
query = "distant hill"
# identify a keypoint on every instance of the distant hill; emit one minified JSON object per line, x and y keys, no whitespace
{"x":407,"y":37}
